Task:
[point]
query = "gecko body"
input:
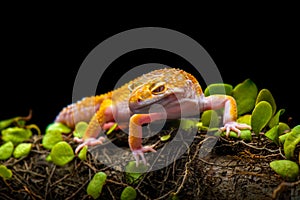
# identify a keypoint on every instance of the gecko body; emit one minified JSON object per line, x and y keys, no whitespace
{"x":176,"y":91}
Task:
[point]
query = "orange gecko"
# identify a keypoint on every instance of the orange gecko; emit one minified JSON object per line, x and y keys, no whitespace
{"x":177,"y":91}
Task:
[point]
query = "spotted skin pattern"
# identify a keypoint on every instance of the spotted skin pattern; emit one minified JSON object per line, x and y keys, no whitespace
{"x":177,"y":91}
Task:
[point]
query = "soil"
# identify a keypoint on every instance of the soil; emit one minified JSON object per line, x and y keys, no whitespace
{"x":188,"y":169}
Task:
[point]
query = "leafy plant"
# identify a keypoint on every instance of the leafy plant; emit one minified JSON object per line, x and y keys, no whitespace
{"x":82,"y":153}
{"x":210,"y":118}
{"x":62,"y":153}
{"x":16,"y":134}
{"x":245,"y":94}
{"x":80,"y":128}
{"x":95,"y":186}
{"x":5,"y":173}
{"x":51,"y":138}
{"x":261,"y":115}
{"x":287,"y":169}
{"x":22,"y":149}
{"x":292,"y":139}
{"x":133,"y":173}
{"x":218,"y":88}
{"x":129,"y":193}
{"x":6,"y":150}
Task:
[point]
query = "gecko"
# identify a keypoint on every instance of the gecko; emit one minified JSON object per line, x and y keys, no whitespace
{"x":177,"y":91}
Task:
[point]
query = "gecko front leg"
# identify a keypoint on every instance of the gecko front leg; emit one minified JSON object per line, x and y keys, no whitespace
{"x":230,"y":112}
{"x":135,"y":134}
{"x":102,"y":120}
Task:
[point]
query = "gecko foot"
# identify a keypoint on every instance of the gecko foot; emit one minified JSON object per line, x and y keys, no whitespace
{"x":137,"y":153}
{"x":234,"y":126}
{"x":87,"y":142}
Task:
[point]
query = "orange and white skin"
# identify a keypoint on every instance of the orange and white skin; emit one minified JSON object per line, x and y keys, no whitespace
{"x":177,"y":91}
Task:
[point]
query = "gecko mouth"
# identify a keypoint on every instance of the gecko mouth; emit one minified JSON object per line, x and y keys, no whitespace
{"x":167,"y":102}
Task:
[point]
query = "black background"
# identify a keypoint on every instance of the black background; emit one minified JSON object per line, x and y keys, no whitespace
{"x":40,"y":58}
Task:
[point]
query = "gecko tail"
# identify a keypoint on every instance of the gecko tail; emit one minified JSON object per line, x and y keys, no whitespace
{"x":82,"y":110}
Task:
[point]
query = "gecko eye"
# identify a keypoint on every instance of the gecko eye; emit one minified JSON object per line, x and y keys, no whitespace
{"x":158,"y":90}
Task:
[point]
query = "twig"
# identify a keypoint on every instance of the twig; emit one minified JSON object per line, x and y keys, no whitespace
{"x":31,"y":172}
{"x":258,"y":148}
{"x":282,"y":186}
{"x":80,"y":188}
{"x":142,"y":194}
{"x":60,"y":180}
{"x":117,"y":183}
{"x":49,"y":181}
{"x":32,"y":194}
{"x":111,"y":193}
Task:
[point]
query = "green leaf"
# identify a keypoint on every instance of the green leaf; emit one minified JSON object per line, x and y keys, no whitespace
{"x":6,"y":123}
{"x":6,"y":150}
{"x":283,"y":137}
{"x":273,"y":135}
{"x":94,"y":188}
{"x":265,"y":95}
{"x":62,"y":153}
{"x":133,"y":173}
{"x":128,"y":193}
{"x":245,"y":94}
{"x":218,"y":88}
{"x":48,"y":158}
{"x":287,"y":169}
{"x":111,"y":129}
{"x":51,"y":138}
{"x":283,"y":128}
{"x":209,"y":118}
{"x":58,"y":127}
{"x":80,"y":129}
{"x":165,"y":138}
{"x":22,"y":149}
{"x":5,"y":173}
{"x":188,"y":124}
{"x":16,"y":135}
{"x":245,"y":119}
{"x":275,"y":119}
{"x":292,"y":139}
{"x":245,"y":134}
{"x":82,"y":153}
{"x":261,"y":115}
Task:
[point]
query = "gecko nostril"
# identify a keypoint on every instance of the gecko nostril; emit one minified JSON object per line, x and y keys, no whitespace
{"x":139,"y":100}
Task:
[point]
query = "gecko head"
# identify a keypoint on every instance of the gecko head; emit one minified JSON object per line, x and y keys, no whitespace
{"x":154,"y":92}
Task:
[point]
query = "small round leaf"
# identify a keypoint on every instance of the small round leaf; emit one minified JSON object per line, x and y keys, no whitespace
{"x":287,"y":169}
{"x":5,"y":173}
{"x":165,"y":138}
{"x":128,"y":193}
{"x":80,"y":129}
{"x":291,"y":140}
{"x":16,"y":135}
{"x":209,"y":118}
{"x":218,"y":88}
{"x":133,"y":173}
{"x":94,"y":188}
{"x":6,"y":150}
{"x":58,"y":127}
{"x":261,"y":115}
{"x":62,"y":153}
{"x":245,"y":119}
{"x":245,"y":94}
{"x":82,"y":153}
{"x":265,"y":95}
{"x":51,"y":138}
{"x":22,"y":149}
